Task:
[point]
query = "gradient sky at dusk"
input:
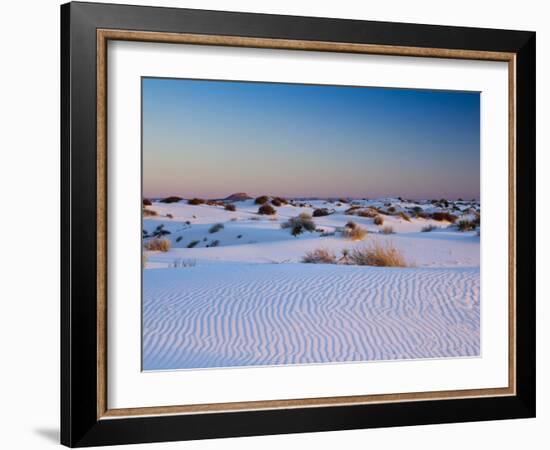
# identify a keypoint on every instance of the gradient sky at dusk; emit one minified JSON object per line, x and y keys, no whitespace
{"x":213,"y":138}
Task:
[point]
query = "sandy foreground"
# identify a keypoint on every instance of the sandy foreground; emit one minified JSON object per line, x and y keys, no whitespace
{"x":247,"y":299}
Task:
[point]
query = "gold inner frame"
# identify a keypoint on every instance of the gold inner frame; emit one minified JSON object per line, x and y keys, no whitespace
{"x":103,"y":36}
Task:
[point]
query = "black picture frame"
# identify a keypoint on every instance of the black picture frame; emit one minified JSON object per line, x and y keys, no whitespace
{"x":80,"y":425}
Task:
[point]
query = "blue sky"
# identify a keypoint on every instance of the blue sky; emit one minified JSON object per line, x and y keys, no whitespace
{"x":213,"y":138}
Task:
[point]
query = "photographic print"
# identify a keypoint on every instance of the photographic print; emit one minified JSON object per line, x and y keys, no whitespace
{"x":308,"y":224}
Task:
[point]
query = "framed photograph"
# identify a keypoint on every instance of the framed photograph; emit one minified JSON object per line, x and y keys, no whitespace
{"x":276,"y":224}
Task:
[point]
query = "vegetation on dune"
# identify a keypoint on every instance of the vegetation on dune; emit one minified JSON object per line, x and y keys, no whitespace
{"x":158,"y":244}
{"x":230,"y":207}
{"x":147,"y":202}
{"x":378,"y":220}
{"x":444,"y":216}
{"x":216,"y":227}
{"x":171,"y":199}
{"x":299,"y":224}
{"x":319,"y":256}
{"x":378,"y":255}
{"x":353,"y":231}
{"x":149,"y":212}
{"x":466,"y":225}
{"x":320,"y":212}
{"x":267,"y":210}
{"x":196,"y":201}
{"x":192,"y":244}
{"x":261,"y":199}
{"x":404,"y":216}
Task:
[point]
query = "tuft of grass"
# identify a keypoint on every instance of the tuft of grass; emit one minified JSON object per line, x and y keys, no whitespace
{"x":147,"y":202}
{"x":262,"y":199}
{"x":230,"y":207}
{"x":354,"y":232}
{"x":319,"y":256}
{"x":299,"y":224}
{"x":367,"y":213}
{"x":171,"y":199}
{"x":378,"y":220}
{"x":428,"y":228}
{"x":149,"y":212}
{"x":378,"y":255}
{"x":466,"y":225}
{"x":196,"y":201}
{"x":215,"y":228}
{"x":158,"y":244}
{"x":387,"y":230}
{"x":404,"y":216}
{"x":267,"y":210}
{"x":192,"y":244}
{"x":444,"y":216}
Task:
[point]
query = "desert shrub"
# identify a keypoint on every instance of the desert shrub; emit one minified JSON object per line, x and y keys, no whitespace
{"x":377,"y":255}
{"x":444,"y":216}
{"x":149,"y":212}
{"x":366,"y":213}
{"x":280,"y":200}
{"x":276,"y":202}
{"x":147,"y":202}
{"x":215,"y":203}
{"x":404,"y":216}
{"x":239,"y":236}
{"x":230,"y":207}
{"x":421,"y":215}
{"x":466,"y":225}
{"x":342,"y":200}
{"x":158,"y":244}
{"x":215,"y":228}
{"x":320,"y":212}
{"x":354,"y":232}
{"x":214,"y":243}
{"x":196,"y":201}
{"x":171,"y":199}
{"x":179,"y":238}
{"x":351,"y":210}
{"x":428,"y":228}
{"x":170,"y":216}
{"x":192,"y":244}
{"x":319,"y":256}
{"x":262,"y":199}
{"x":159,"y":232}
{"x":387,"y":230}
{"x":267,"y":210}
{"x":391,"y":209}
{"x":299,"y":224}
{"x":378,"y":220}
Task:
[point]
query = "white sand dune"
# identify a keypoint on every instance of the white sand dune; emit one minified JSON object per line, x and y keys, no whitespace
{"x":236,"y":314}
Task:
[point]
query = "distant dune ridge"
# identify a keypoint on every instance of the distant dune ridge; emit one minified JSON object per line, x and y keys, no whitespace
{"x":237,"y":197}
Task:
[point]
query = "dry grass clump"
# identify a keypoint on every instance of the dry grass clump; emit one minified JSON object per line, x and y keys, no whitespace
{"x":354,"y":232}
{"x":377,"y":255}
{"x":215,"y":228}
{"x":157,"y":244}
{"x":196,"y":201}
{"x":147,"y":202}
{"x":369,"y":213}
{"x":444,"y":216}
{"x":351,"y":210}
{"x":391,"y":209}
{"x":149,"y":212}
{"x":378,"y":220}
{"x":466,"y":225}
{"x":300,"y":223}
{"x":404,"y":216}
{"x":230,"y":207}
{"x":267,"y":210}
{"x":171,"y":199}
{"x":387,"y":230}
{"x":261,"y":199}
{"x":278,"y":201}
{"x":319,"y":256}
{"x":320,"y":212}
{"x":428,"y":228}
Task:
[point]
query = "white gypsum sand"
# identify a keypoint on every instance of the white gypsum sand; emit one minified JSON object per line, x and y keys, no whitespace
{"x":241,"y":295}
